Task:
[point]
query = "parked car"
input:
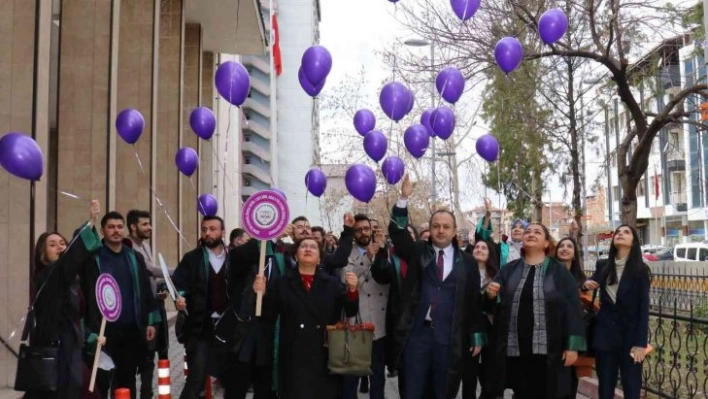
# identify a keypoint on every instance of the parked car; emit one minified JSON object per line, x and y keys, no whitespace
{"x":665,"y":254}
{"x":691,"y":252}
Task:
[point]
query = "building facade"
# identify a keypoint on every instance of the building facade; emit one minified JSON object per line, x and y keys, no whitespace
{"x":69,"y":67}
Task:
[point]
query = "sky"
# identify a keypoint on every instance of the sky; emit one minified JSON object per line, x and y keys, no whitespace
{"x":353,"y":32}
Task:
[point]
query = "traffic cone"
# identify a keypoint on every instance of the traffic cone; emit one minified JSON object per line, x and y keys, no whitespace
{"x":163,"y":379}
{"x":122,"y":393}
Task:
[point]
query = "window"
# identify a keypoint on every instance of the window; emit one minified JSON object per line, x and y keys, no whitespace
{"x":703,"y":254}
{"x":247,"y":160}
{"x":247,"y":182}
{"x":681,"y":253}
{"x":691,"y":253}
{"x":246,"y":137}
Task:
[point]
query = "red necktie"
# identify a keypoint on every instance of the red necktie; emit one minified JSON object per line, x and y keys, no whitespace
{"x":441,"y":265}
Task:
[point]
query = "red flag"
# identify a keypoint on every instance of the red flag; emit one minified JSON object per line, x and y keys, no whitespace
{"x":656,"y":185}
{"x":275,"y":40}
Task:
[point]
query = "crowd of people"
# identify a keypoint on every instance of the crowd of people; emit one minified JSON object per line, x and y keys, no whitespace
{"x":482,"y":316}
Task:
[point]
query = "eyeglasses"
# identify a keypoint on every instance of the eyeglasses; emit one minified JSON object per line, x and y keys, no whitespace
{"x":313,"y":247}
{"x":362,"y":230}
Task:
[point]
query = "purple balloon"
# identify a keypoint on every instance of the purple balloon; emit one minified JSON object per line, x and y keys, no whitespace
{"x":465,"y":9}
{"x":361,"y":182}
{"x":411,"y":102}
{"x":416,"y":139}
{"x":316,"y":63}
{"x":442,"y":121}
{"x":508,"y":52}
{"x":203,"y":122}
{"x":393,"y":169}
{"x":364,"y":121}
{"x":425,"y":120}
{"x":309,"y":88}
{"x":450,"y":84}
{"x":316,"y":181}
{"x":279,"y":191}
{"x":21,"y":156}
{"x":207,"y":205}
{"x":187,"y":161}
{"x":395,"y":100}
{"x":375,"y":145}
{"x":552,"y":25}
{"x":233,"y":82}
{"x":487,"y":147}
{"x":130,"y":124}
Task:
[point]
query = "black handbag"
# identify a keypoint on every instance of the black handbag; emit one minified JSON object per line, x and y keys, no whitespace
{"x":229,"y":331}
{"x":37,"y":366}
{"x":589,"y":316}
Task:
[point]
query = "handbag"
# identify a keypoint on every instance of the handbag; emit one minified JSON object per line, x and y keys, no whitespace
{"x":349,"y":347}
{"x":229,"y":331}
{"x":589,"y":316}
{"x":37,"y":366}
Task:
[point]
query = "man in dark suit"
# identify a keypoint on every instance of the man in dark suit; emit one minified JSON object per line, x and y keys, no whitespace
{"x":440,"y":321}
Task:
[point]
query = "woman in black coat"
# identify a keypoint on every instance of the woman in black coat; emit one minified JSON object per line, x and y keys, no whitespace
{"x":539,"y":321}
{"x":58,"y":303}
{"x":622,"y":324}
{"x":307,"y":299}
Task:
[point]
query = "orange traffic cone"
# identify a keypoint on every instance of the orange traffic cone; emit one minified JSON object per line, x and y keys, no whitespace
{"x":163,"y":379}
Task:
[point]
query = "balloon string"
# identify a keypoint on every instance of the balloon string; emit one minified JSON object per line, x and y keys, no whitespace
{"x":499,"y":197}
{"x":68,"y":194}
{"x":157,"y":199}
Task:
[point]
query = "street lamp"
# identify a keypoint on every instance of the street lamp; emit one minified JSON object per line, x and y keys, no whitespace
{"x":424,"y":43}
{"x":449,"y":156}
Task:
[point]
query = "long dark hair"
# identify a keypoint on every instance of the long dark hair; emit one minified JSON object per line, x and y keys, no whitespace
{"x":492,"y":263}
{"x":575,"y":269}
{"x":635,"y":262}
{"x":40,"y":249}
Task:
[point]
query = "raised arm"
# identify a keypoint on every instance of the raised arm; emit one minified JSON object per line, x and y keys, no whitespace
{"x":397,"y":227}
{"x":340,"y":257}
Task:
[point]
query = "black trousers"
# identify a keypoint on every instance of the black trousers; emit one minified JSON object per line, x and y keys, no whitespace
{"x":126,"y":346}
{"x":474,"y":369}
{"x":241,"y":375}
{"x":608,"y":363}
{"x":527,"y":375}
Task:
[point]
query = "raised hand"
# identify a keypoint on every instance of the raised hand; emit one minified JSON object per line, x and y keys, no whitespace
{"x":372,"y":249}
{"x":287,"y":232}
{"x":349,"y":219}
{"x":406,"y":187}
{"x":94,"y":211}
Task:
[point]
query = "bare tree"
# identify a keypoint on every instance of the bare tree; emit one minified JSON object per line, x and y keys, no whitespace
{"x":613,"y":29}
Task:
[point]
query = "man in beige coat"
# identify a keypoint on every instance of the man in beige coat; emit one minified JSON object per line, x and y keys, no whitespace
{"x":373,"y":298}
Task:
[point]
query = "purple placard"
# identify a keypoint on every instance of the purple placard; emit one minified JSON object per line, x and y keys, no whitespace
{"x":265,"y":215}
{"x":108,"y":297}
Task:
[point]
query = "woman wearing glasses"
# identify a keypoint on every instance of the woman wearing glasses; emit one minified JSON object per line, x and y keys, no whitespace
{"x":307,"y":299}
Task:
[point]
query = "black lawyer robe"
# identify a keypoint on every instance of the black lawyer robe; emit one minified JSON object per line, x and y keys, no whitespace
{"x":564,"y":323}
{"x":304,"y":317}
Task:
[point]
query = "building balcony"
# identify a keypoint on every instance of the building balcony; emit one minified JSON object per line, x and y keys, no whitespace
{"x":253,"y":105}
{"x":250,"y":61}
{"x":248,"y":191}
{"x":256,"y":150}
{"x":261,"y":87}
{"x":257,"y":173}
{"x":229,"y":26}
{"x":676,"y":159}
{"x":679,"y":200}
{"x":258,"y":129}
